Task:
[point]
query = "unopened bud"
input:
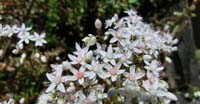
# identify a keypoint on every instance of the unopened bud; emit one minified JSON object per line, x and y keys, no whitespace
{"x":37,"y":55}
{"x":15,"y":51}
{"x":98,"y":24}
{"x":22,"y":100}
{"x":43,"y":59}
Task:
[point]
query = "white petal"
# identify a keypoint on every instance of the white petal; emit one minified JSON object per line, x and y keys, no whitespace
{"x":61,"y":87}
{"x":81,"y":95}
{"x":50,"y":77}
{"x":59,"y":72}
{"x":81,"y":81}
{"x":103,"y":75}
{"x":113,"y":62}
{"x":69,"y":78}
{"x":160,"y":68}
{"x":51,"y":87}
{"x":114,"y":39}
{"x":91,"y":75}
{"x":113,"y":78}
{"x":137,"y":50}
{"x":109,"y":50}
{"x":171,"y":96}
{"x":146,"y":57}
{"x":74,"y":71}
{"x":71,"y":57}
{"x":92,"y":96}
{"x":78,"y":47}
{"x":82,"y":69}
{"x":120,"y":72}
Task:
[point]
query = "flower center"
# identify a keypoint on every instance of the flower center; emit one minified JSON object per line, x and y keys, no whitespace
{"x":152,"y":80}
{"x":58,"y":80}
{"x":86,"y":101}
{"x":142,"y":46}
{"x":79,"y":75}
{"x":113,"y":71}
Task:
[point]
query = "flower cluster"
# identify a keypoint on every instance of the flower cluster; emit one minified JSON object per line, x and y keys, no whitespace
{"x":23,"y":34}
{"x":128,"y":68}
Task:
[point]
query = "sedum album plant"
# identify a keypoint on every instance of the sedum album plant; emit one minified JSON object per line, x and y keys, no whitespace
{"x":122,"y":66}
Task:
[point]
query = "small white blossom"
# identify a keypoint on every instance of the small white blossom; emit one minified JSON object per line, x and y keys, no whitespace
{"x":39,"y":39}
{"x":83,"y":99}
{"x":114,"y":71}
{"x":80,"y":75}
{"x":56,"y":81}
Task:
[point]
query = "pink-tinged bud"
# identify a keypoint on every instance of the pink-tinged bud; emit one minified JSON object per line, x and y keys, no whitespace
{"x":98,"y":24}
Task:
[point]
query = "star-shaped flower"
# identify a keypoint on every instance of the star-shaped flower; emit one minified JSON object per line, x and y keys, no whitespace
{"x":56,"y":80}
{"x":39,"y":39}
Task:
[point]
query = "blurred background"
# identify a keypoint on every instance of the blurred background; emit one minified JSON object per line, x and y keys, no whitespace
{"x":68,"y":21}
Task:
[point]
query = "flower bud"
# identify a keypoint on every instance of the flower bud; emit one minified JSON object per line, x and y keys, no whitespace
{"x":37,"y":55}
{"x":43,"y":59}
{"x":22,"y":58}
{"x":15,"y":51}
{"x":22,"y":100}
{"x":98,"y":24}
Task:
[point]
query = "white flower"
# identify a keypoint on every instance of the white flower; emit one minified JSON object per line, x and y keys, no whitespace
{"x":97,"y":69}
{"x":110,"y":22}
{"x":56,"y":81}
{"x":132,"y":76}
{"x":25,"y":38}
{"x":131,"y":12}
{"x":44,"y":98}
{"x":83,"y":99}
{"x":113,"y":71}
{"x":23,"y":30}
{"x":66,"y":65}
{"x":122,"y":33}
{"x":109,"y":56}
{"x":153,"y":66}
{"x":82,"y":56}
{"x":9,"y":31}
{"x":79,"y":75}
{"x":56,"y":67}
{"x":9,"y":101}
{"x":39,"y":39}
{"x":125,"y":59}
